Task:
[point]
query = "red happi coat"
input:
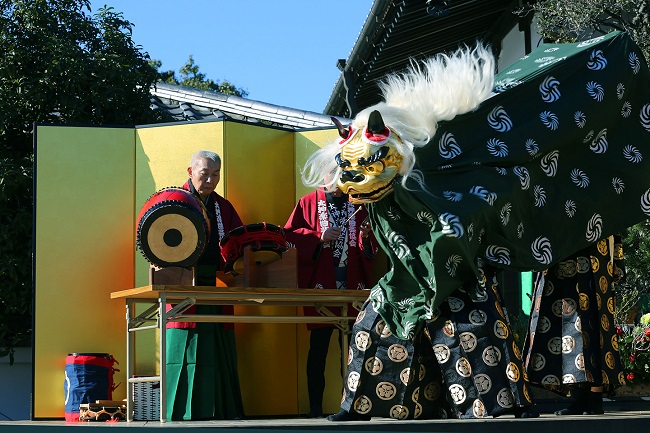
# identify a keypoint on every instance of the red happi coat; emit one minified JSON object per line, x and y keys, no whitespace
{"x":316,"y":268}
{"x":229,"y":220}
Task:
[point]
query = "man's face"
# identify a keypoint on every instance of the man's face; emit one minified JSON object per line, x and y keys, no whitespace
{"x":205,"y":175}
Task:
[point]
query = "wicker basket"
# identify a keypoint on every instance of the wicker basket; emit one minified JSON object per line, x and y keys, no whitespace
{"x":146,"y":401}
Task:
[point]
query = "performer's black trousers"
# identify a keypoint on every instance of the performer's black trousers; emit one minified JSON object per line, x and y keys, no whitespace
{"x":319,"y":341}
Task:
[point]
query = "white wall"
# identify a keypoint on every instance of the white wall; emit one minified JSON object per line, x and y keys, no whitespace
{"x":513,"y":46}
{"x":16,"y":386}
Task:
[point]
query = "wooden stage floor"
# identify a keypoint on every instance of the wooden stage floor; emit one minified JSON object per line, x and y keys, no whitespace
{"x":623,"y":417}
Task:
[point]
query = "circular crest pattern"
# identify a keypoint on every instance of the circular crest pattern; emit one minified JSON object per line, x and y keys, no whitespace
{"x":362,"y":340}
{"x":397,"y":353}
{"x":386,"y":390}
{"x":457,"y":393}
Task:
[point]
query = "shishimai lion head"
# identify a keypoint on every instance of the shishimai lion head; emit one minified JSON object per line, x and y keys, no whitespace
{"x":368,"y":161}
{"x":377,"y":148}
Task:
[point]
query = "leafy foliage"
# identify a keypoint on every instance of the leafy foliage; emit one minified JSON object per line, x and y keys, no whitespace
{"x":637,"y":255}
{"x":15,"y":253}
{"x":191,"y":77}
{"x":636,"y":286}
{"x":59,"y":64}
{"x":634,"y":347}
{"x":573,"y":20}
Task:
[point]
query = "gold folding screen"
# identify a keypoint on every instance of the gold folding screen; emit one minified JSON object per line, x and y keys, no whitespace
{"x":90,"y":185}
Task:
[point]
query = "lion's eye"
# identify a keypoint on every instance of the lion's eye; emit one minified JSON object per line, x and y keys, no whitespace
{"x":375,"y":167}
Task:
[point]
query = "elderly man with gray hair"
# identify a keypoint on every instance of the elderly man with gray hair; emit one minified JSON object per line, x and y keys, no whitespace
{"x":202,"y":376}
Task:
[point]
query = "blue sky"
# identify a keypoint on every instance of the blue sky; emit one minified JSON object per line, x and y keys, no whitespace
{"x":282,"y":52}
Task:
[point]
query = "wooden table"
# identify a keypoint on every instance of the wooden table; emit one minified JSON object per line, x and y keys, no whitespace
{"x":156,"y":316}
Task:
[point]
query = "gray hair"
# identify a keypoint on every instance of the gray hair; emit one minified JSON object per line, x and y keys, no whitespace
{"x":205,"y":154}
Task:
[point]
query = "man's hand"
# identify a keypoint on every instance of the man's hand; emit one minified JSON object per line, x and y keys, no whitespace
{"x":365,"y":228}
{"x":330,"y":234}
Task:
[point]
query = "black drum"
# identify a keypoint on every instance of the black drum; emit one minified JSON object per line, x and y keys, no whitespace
{"x":173,"y":228}
{"x":267,"y":242}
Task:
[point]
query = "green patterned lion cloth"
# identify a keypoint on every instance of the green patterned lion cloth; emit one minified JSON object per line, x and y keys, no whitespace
{"x":554,"y":159}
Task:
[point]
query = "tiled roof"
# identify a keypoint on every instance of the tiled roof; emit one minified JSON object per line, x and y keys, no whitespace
{"x":396,"y":31}
{"x":187,"y":104}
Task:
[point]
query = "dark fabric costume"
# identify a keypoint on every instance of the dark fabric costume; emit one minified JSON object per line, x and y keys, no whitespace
{"x":202,"y":376}
{"x":572,"y":337}
{"x":476,"y":350}
{"x":545,"y":167}
{"x":477,"y":363}
{"x":391,"y":377}
{"x":345,"y":263}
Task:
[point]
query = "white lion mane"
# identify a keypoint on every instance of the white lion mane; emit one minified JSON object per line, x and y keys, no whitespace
{"x":436,"y":89}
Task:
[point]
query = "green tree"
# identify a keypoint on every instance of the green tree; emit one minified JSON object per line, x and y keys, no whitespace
{"x":59,"y":64}
{"x":164,"y":76}
{"x":636,"y":286}
{"x":191,"y":77}
{"x":573,"y":20}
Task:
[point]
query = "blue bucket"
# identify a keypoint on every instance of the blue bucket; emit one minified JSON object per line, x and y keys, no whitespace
{"x":88,"y":377}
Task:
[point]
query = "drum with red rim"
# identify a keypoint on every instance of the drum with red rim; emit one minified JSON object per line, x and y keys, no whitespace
{"x":173,"y":228}
{"x":267,"y":242}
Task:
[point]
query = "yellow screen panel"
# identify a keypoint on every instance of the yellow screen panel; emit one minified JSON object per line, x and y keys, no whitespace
{"x":257,"y":172}
{"x":90,"y":185}
{"x":259,"y":182}
{"x":306,"y":143}
{"x":162,"y":155}
{"x":256,"y":177}
{"x":84,"y":251}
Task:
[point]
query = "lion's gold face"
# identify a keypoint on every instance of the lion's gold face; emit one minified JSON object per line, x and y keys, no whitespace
{"x":369,"y":164}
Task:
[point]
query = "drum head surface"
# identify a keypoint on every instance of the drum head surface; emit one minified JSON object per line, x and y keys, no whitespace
{"x":267,"y":243}
{"x":172,"y":234}
{"x":259,"y":258}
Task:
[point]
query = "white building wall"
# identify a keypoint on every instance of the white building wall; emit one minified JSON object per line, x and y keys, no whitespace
{"x":16,"y":386}
{"x":513,"y":46}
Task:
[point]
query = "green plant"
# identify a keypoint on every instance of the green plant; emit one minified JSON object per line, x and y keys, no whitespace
{"x":519,"y":326}
{"x":575,"y":20}
{"x":634,"y":348}
{"x":633,"y":292}
{"x":60,"y":65}
{"x":15,"y":253}
{"x":191,"y":77}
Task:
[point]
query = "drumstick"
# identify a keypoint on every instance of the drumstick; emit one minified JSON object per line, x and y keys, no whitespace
{"x":350,"y":217}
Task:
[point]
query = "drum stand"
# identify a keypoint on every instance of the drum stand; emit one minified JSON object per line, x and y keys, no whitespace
{"x":281,"y":273}
{"x":172,"y":275}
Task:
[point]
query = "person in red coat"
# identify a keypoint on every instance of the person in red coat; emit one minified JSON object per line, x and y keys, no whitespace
{"x":335,"y":249}
{"x":202,"y":376}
